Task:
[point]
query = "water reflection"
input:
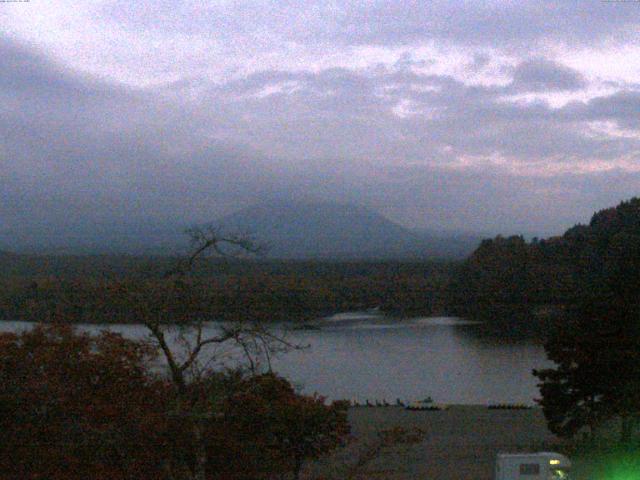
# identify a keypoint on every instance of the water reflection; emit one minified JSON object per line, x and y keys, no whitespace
{"x":374,"y":357}
{"x":368,"y":356}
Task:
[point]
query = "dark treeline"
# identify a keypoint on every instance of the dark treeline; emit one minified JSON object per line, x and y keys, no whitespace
{"x":112,"y":266}
{"x":85,"y":288}
{"x":509,"y":282}
{"x":594,"y":387}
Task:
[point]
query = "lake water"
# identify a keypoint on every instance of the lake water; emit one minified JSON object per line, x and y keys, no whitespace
{"x":369,"y":356}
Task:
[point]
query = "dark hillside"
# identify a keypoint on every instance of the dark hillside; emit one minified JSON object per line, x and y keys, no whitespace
{"x":534,"y":282}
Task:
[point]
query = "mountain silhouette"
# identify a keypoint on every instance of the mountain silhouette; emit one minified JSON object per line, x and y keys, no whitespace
{"x":342,"y":231}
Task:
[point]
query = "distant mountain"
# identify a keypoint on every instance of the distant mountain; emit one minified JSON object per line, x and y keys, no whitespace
{"x":456,"y":245}
{"x":134,"y":238}
{"x":8,"y":255}
{"x":8,"y":260}
{"x":321,"y":230}
{"x":333,"y":230}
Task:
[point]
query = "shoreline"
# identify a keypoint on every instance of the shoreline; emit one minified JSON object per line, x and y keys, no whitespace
{"x":460,"y":443}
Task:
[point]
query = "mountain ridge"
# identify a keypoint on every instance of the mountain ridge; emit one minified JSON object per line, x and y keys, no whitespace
{"x":308,"y":230}
{"x":293,"y":230}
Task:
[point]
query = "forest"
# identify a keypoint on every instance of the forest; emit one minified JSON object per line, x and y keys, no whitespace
{"x":509,"y":283}
{"x":84,"y":289}
{"x":538,"y":281}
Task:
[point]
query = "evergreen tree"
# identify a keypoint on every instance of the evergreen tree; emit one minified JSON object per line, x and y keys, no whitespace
{"x":597,"y":348}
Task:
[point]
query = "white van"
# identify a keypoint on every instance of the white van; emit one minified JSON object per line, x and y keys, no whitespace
{"x":532,"y":466}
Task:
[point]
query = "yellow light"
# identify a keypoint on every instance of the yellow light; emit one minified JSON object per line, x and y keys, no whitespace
{"x":554,"y":462}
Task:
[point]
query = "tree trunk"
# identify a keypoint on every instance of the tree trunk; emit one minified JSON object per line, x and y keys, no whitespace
{"x":297,"y":468}
{"x":200,"y":452}
{"x":626,"y":429}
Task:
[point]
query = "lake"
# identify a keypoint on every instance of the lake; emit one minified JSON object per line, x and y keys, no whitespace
{"x":363,"y":355}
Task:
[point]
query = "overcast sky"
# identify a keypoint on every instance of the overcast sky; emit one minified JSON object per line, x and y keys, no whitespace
{"x":486,"y":116}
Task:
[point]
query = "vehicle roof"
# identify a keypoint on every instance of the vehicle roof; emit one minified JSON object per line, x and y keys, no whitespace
{"x":529,"y":454}
{"x":564,"y":461}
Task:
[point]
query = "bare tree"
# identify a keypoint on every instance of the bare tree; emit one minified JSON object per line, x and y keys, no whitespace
{"x":178,"y":320}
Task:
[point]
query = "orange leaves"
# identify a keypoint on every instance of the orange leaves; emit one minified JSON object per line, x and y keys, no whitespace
{"x":267,"y":420}
{"x":74,"y":406}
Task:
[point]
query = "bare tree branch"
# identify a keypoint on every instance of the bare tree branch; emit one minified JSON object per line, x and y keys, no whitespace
{"x":193,"y":356}
{"x":210,"y":238}
{"x":182,"y":303}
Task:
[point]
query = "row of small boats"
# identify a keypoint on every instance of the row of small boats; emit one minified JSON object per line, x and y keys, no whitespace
{"x":426,"y":404}
{"x":510,"y":406}
{"x":429,"y":405}
{"x":377,"y":403}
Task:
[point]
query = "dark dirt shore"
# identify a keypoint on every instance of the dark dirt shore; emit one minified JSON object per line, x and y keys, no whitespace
{"x":457,"y":444}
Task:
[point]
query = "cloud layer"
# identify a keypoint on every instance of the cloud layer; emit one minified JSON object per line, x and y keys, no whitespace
{"x":482,"y":116}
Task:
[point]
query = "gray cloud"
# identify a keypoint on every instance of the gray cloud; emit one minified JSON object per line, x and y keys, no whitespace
{"x":345,"y":114}
{"x":385,"y":22}
{"x":431,"y":150}
{"x":75,"y":151}
{"x":493,"y":22}
{"x":622,"y":107}
{"x":540,"y":75}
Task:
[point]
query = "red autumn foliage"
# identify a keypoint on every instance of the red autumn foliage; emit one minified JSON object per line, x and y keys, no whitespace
{"x":266,"y":428}
{"x":75,"y":406}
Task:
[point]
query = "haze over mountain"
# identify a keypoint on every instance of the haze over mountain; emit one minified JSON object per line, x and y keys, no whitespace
{"x":291,"y":230}
{"x":334,"y":230}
